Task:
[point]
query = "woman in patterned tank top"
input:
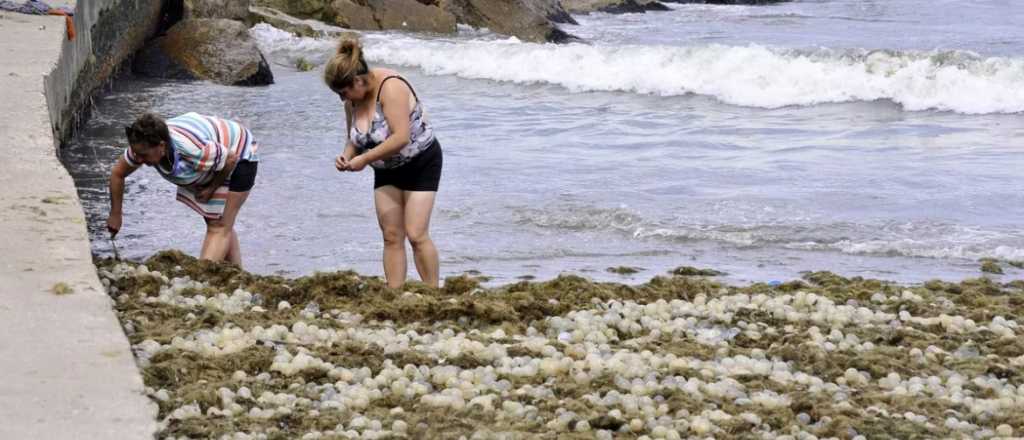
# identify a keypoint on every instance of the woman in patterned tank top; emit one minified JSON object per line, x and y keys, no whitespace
{"x":386,"y":128}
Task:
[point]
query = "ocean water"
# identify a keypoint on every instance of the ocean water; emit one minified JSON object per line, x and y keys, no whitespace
{"x":870,"y":138}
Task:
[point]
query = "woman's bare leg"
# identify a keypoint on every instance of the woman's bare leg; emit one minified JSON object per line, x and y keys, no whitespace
{"x":388,"y":202}
{"x":235,"y":253}
{"x":417,"y":206}
{"x":219,"y":233}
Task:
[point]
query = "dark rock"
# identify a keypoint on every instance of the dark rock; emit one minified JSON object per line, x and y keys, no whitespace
{"x":727,"y":2}
{"x":151,"y":61}
{"x":553,"y":10}
{"x":550,"y":9}
{"x":613,"y":6}
{"x":263,"y":76}
{"x":348,"y":14}
{"x":217,"y":50}
{"x":528,"y":20}
{"x":410,"y":15}
{"x":524,"y":19}
{"x":557,"y":35}
{"x":633,"y":6}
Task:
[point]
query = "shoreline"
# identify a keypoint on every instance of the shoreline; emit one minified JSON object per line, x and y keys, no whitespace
{"x":1003,"y":272}
{"x":1006,"y":273}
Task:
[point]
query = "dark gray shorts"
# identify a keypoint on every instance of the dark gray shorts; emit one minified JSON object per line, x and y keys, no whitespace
{"x":422,"y":173}
{"x":243,"y":177}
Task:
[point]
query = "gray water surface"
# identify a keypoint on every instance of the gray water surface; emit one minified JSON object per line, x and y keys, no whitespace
{"x":556,"y":165}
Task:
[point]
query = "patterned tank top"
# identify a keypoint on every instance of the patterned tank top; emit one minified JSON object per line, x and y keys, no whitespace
{"x":421,"y":134}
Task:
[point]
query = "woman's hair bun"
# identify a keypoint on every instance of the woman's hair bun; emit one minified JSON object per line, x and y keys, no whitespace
{"x":349,"y":46}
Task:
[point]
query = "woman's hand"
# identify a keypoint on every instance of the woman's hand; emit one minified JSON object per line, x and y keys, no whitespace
{"x":357,"y":163}
{"x":113,"y":224}
{"x":341,"y":163}
{"x":206,"y":193}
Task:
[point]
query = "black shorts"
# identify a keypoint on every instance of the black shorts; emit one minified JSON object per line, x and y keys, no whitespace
{"x":422,"y":173}
{"x":243,"y":177}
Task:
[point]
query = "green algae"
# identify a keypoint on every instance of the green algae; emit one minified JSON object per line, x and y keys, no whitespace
{"x":624,"y":270}
{"x":688,"y":271}
{"x":992,"y":266}
{"x":62,"y":288}
{"x":460,"y":285}
{"x":303,"y":65}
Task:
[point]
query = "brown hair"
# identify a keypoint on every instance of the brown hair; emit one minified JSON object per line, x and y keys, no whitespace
{"x":346,"y":64}
{"x":149,"y":130}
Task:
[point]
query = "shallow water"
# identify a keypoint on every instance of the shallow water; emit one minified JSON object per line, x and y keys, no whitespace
{"x":865,"y":138}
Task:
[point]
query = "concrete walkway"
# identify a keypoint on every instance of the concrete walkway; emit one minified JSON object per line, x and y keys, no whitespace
{"x":66,"y":370}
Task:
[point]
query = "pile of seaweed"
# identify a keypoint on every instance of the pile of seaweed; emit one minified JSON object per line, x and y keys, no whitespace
{"x":230,"y":354}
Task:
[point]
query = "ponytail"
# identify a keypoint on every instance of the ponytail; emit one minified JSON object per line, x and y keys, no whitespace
{"x":346,"y":64}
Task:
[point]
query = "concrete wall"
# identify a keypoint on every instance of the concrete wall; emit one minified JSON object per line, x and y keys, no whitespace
{"x":108,"y":33}
{"x":68,"y":371}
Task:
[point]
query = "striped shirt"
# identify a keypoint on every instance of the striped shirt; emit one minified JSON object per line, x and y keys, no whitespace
{"x":201,"y":146}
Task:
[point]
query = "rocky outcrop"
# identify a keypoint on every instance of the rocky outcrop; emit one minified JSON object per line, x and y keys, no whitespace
{"x":728,"y":2}
{"x":633,"y":6}
{"x":153,"y":62}
{"x":612,"y":6}
{"x":297,"y":26}
{"x":297,"y":8}
{"x":217,"y":50}
{"x":229,"y":9}
{"x":527,"y":20}
{"x":553,"y":10}
{"x":409,"y":15}
{"x":413,"y":16}
{"x":348,"y":14}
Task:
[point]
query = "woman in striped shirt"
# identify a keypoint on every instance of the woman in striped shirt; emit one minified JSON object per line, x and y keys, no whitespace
{"x":213,"y":162}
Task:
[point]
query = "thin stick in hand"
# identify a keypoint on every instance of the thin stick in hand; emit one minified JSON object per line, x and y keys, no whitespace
{"x":113,"y":245}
